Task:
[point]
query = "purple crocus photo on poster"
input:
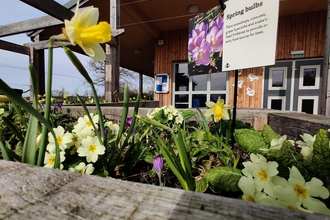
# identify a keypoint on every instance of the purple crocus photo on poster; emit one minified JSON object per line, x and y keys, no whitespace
{"x":205,"y":42}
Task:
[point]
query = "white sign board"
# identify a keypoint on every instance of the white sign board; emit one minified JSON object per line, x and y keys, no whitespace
{"x":250,"y":32}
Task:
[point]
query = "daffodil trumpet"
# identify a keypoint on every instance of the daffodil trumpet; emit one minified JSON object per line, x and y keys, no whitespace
{"x":84,"y":30}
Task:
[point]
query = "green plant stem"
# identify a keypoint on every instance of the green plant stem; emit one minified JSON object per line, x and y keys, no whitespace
{"x":99,"y":112}
{"x":160,"y":179}
{"x":145,"y":133}
{"x":43,"y":142}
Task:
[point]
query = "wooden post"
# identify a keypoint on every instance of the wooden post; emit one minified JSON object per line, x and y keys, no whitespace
{"x":141,"y":84}
{"x":112,"y":55}
{"x":37,"y":60}
{"x":325,"y":89}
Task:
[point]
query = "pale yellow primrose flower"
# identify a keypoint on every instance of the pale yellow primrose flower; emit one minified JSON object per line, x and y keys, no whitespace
{"x":84,"y":127}
{"x":219,"y":110}
{"x":286,"y":197}
{"x":277,"y":143}
{"x":91,"y":148}
{"x":83,"y":30}
{"x":81,"y":168}
{"x":2,"y":111}
{"x":306,"y":191}
{"x":250,"y":194}
{"x":306,"y":145}
{"x":63,"y":139}
{"x":113,"y":127}
{"x":50,"y":159}
{"x":262,"y":172}
{"x":179,"y":119}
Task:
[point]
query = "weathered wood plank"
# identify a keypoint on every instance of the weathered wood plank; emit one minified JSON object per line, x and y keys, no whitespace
{"x":4,"y":45}
{"x":294,"y":124}
{"x":29,"y":192}
{"x":28,"y":25}
{"x":51,"y":7}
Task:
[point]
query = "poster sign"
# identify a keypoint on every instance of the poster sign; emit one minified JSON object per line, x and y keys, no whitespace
{"x":161,"y":83}
{"x":250,"y":31}
{"x":205,"y":42}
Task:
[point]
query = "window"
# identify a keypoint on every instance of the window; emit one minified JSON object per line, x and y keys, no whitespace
{"x":309,"y":77}
{"x":308,"y":104}
{"x":277,"y":78}
{"x":194,"y":91}
{"x":276,"y":102}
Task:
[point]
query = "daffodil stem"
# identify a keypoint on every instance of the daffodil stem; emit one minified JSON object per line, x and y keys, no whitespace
{"x":43,"y":143}
{"x":99,"y":111}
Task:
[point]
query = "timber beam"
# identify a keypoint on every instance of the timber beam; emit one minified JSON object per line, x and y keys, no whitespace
{"x":51,"y":7}
{"x":4,"y":45}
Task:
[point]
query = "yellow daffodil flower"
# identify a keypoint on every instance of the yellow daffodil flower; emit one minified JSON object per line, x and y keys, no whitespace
{"x":83,"y":30}
{"x":4,"y":98}
{"x":65,"y":96}
{"x":219,"y":110}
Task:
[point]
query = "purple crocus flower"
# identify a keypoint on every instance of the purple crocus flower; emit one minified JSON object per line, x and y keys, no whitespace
{"x":202,"y":54}
{"x":59,"y":106}
{"x":215,"y":38}
{"x":194,"y":43}
{"x":129,"y":121}
{"x":158,"y":165}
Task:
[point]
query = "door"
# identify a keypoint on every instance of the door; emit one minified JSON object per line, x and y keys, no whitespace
{"x":293,"y":85}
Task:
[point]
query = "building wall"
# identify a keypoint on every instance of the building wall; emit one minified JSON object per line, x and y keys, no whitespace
{"x":295,"y":32}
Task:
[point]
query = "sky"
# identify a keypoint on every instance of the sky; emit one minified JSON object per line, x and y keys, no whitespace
{"x":14,"y":66}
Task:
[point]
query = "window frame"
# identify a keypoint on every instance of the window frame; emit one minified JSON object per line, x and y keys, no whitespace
{"x":190,"y":93}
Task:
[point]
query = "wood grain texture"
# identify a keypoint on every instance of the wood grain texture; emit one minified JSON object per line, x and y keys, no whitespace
{"x":294,"y":124}
{"x":29,"y":192}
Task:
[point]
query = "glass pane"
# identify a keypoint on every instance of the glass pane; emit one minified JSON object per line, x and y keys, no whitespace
{"x":199,"y":82}
{"x":198,"y":100}
{"x":277,"y":80}
{"x":307,"y":106}
{"x":276,"y":104}
{"x":181,"y":101}
{"x":218,"y":81}
{"x":181,"y":77}
{"x":214,"y":97}
{"x":309,"y":77}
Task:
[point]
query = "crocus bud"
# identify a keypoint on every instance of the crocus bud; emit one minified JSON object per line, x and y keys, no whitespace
{"x":158,"y":165}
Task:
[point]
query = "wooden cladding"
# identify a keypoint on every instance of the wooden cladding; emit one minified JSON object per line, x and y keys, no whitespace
{"x":175,"y":48}
{"x":295,"y":32}
{"x":301,"y":32}
{"x":247,"y":99}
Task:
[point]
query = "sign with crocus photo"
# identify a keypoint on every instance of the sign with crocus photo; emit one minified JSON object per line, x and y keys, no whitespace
{"x":205,"y":42}
{"x":249,"y":33}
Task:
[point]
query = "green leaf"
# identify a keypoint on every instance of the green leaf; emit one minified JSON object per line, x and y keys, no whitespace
{"x":76,"y":62}
{"x":269,"y":134}
{"x":13,"y":129}
{"x":321,"y":158}
{"x":205,"y":124}
{"x":224,"y":178}
{"x":251,"y":140}
{"x":4,"y":154}
{"x":148,"y":157}
{"x":29,"y":146}
{"x":186,"y":114}
{"x":286,"y":157}
{"x":201,"y":184}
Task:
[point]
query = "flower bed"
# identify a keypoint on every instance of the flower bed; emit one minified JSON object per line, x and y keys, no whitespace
{"x":214,"y":155}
